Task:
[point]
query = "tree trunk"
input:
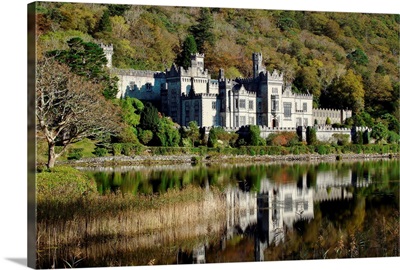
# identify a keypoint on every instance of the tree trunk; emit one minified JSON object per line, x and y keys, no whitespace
{"x":52,"y":155}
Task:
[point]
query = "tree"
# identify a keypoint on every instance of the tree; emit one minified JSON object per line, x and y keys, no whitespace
{"x":212,"y":138}
{"x":87,"y":59}
{"x":311,"y":135}
{"x":348,"y":92}
{"x":189,"y":47}
{"x":105,"y":23}
{"x":202,"y":31}
{"x":150,"y":118}
{"x":70,"y":108}
{"x":254,"y":137}
{"x":193,"y":132}
{"x":379,"y":132}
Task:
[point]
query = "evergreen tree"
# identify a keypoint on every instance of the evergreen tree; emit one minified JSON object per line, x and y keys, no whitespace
{"x":202,"y":31}
{"x":212,"y":138}
{"x":189,"y":47}
{"x":311,"y":135}
{"x":105,"y":23}
{"x":150,"y":118}
{"x":87,"y":59}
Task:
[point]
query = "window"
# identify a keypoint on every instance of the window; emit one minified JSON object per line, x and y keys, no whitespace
{"x":305,"y":121}
{"x":236,"y":104}
{"x":148,"y":86}
{"x":236,"y":121}
{"x":242,"y":120}
{"x":274,"y":103}
{"x":288,"y":203}
{"x":242,"y":104}
{"x":304,"y":107}
{"x":251,"y":105}
{"x":214,"y":105}
{"x":251,"y":120}
{"x":287,"y":109}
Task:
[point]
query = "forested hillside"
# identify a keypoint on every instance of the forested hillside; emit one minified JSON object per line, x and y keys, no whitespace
{"x":346,"y":60}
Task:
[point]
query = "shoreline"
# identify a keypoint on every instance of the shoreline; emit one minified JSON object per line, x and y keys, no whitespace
{"x":150,"y":160}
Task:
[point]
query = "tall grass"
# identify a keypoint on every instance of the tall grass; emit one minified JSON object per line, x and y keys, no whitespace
{"x":72,"y":231}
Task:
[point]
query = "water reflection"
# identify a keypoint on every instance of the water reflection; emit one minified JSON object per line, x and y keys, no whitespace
{"x":276,"y":207}
{"x":276,"y":211}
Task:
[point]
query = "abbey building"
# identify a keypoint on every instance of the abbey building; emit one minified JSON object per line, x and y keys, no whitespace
{"x":192,"y":95}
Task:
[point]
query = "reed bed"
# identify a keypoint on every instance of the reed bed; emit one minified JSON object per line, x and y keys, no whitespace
{"x":82,"y":230}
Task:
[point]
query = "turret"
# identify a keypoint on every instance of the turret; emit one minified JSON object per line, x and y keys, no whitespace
{"x":108,"y":51}
{"x":197,"y":60}
{"x":257,"y":64}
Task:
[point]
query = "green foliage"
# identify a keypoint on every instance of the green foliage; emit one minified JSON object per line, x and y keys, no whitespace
{"x":87,"y":59}
{"x":131,"y":110}
{"x":63,"y":183}
{"x":75,"y":154}
{"x":311,"y":135}
{"x":314,"y":49}
{"x":212,"y":138}
{"x":150,"y":118}
{"x":193,"y":132}
{"x":254,"y":138}
{"x":379,"y":132}
{"x":202,"y":31}
{"x":365,"y":137}
{"x":348,"y":92}
{"x":100,"y":151}
{"x":328,"y":121}
{"x":358,"y":56}
{"x":167,"y":133}
{"x":189,"y":47}
{"x":145,"y":136}
{"x":341,"y":139}
{"x":117,"y":149}
{"x":105,"y":23}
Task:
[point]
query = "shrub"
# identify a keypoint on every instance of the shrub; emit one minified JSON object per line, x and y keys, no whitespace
{"x":341,"y":139}
{"x":284,"y":138}
{"x":117,"y":149}
{"x":75,"y":154}
{"x":63,"y":183}
{"x":100,"y":151}
{"x":323,"y":149}
{"x":311,"y":135}
{"x":365,"y":137}
{"x":145,"y":136}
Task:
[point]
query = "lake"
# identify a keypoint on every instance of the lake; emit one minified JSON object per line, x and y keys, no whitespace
{"x":217,"y":213}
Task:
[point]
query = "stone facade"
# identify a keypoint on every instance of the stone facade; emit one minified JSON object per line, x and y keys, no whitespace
{"x":336,"y":116}
{"x":190,"y":94}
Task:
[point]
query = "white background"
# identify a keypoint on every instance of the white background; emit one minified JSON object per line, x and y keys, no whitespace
{"x":13,"y":143}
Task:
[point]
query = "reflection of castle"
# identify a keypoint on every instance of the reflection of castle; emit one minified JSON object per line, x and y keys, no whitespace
{"x":276,"y":208}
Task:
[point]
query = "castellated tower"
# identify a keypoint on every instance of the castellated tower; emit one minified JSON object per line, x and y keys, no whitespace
{"x":108,"y":51}
{"x":257,"y":64}
{"x":197,"y":60}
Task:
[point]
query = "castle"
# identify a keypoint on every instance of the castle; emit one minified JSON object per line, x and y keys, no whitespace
{"x":192,"y":95}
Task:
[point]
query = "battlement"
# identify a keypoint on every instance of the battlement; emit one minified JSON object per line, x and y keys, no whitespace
{"x":108,"y":48}
{"x":275,"y":75}
{"x":328,"y":110}
{"x":199,"y":95}
{"x":139,"y":73}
